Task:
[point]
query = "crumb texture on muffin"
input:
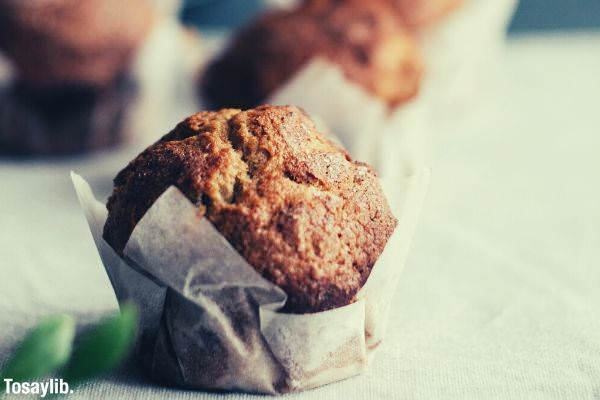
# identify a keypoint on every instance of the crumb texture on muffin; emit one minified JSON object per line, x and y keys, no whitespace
{"x":365,"y":38}
{"x":293,"y":204}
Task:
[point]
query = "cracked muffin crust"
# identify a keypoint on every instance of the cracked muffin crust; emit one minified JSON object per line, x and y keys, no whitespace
{"x":365,"y":38}
{"x":293,"y":204}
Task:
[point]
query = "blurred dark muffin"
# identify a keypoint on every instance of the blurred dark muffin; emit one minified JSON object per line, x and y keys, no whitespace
{"x":365,"y":38}
{"x":72,"y":61}
{"x":293,"y":204}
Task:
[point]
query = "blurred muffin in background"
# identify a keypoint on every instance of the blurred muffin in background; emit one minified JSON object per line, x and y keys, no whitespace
{"x":71,"y":61}
{"x":364,"y":38}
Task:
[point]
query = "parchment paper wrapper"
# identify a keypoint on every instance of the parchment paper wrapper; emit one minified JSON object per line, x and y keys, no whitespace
{"x":210,"y":321}
{"x":461,"y":50}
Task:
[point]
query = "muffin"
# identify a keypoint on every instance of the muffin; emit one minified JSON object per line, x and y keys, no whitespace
{"x":299,"y":210}
{"x":72,"y":81}
{"x":364,"y":38}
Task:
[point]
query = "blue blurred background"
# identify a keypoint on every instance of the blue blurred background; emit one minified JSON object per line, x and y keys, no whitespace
{"x":531,"y":15}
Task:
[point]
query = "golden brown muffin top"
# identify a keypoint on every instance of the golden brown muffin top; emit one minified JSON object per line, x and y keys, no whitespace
{"x":293,"y":204}
{"x":365,"y":38}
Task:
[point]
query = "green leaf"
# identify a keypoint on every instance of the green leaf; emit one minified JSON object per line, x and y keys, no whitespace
{"x":46,"y":348}
{"x":104,"y":347}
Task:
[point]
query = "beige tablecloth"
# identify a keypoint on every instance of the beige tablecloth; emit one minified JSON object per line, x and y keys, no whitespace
{"x":501,"y":295}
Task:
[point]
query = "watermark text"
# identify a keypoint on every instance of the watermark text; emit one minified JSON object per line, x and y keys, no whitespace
{"x":41,"y":389}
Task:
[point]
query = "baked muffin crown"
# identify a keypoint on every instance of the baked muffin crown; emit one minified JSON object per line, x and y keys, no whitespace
{"x":293,"y":204}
